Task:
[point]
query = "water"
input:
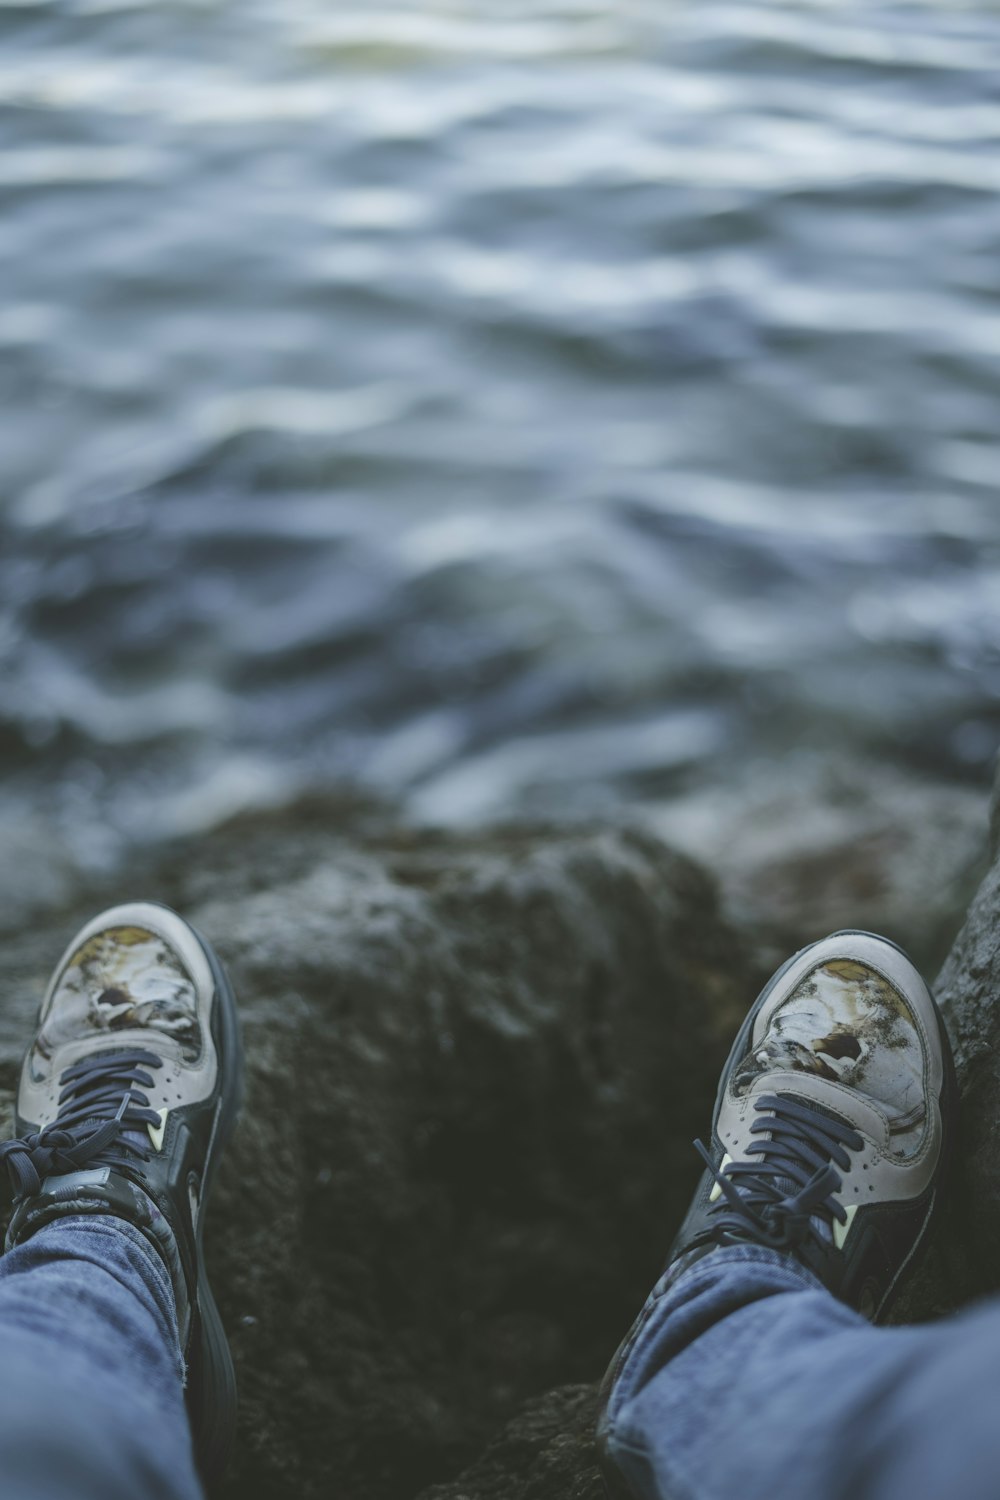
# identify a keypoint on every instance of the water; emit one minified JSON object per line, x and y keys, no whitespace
{"x":510,"y":408}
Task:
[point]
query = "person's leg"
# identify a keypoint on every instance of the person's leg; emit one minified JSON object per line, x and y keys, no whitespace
{"x":110,"y":1341}
{"x":749,"y":1379}
{"x":91,"y":1371}
{"x":750,"y":1370}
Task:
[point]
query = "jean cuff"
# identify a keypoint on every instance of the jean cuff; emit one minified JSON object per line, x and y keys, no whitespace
{"x":670,"y":1321}
{"x":708,"y":1268}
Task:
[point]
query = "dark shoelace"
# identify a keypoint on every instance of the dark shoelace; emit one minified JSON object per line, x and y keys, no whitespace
{"x":802,"y":1147}
{"x":103,"y":1092}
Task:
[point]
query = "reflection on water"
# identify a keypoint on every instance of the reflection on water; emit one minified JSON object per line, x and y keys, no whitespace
{"x":513,"y":408}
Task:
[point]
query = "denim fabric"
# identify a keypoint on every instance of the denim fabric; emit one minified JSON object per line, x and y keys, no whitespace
{"x":91,"y":1376}
{"x":749,"y":1380}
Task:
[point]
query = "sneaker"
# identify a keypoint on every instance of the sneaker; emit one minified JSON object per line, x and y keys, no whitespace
{"x":832,"y":1126}
{"x":128,"y":1095}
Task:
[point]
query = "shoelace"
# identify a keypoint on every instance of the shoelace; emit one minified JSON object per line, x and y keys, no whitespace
{"x":803,"y":1147}
{"x":103,"y":1091}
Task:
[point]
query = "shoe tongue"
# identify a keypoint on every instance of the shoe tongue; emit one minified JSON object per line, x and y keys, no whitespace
{"x":137,"y":1136}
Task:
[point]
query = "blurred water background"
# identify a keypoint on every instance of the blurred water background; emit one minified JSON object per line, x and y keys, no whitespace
{"x":508,"y":408}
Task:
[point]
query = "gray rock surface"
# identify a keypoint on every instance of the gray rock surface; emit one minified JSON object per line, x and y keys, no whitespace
{"x":816,"y":842}
{"x":965,"y":1264}
{"x":476,"y":1065}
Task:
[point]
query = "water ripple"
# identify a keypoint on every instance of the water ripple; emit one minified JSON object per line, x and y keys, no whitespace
{"x":509,"y":406}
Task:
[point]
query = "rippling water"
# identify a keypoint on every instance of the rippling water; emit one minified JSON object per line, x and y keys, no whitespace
{"x":510,"y":407}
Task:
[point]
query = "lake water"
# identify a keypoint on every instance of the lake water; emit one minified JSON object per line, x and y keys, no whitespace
{"x":511,"y":408}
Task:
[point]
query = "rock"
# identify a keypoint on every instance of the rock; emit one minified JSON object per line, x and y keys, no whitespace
{"x":968,"y":988}
{"x":476,"y":1064}
{"x":546,"y":1451}
{"x":475,"y":1069}
{"x":815,"y":842}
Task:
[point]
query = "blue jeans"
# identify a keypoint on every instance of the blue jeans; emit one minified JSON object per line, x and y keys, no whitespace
{"x":750,"y":1380}
{"x":91,"y":1375}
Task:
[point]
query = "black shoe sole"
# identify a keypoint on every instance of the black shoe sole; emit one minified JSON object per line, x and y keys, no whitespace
{"x":211,"y":1390}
